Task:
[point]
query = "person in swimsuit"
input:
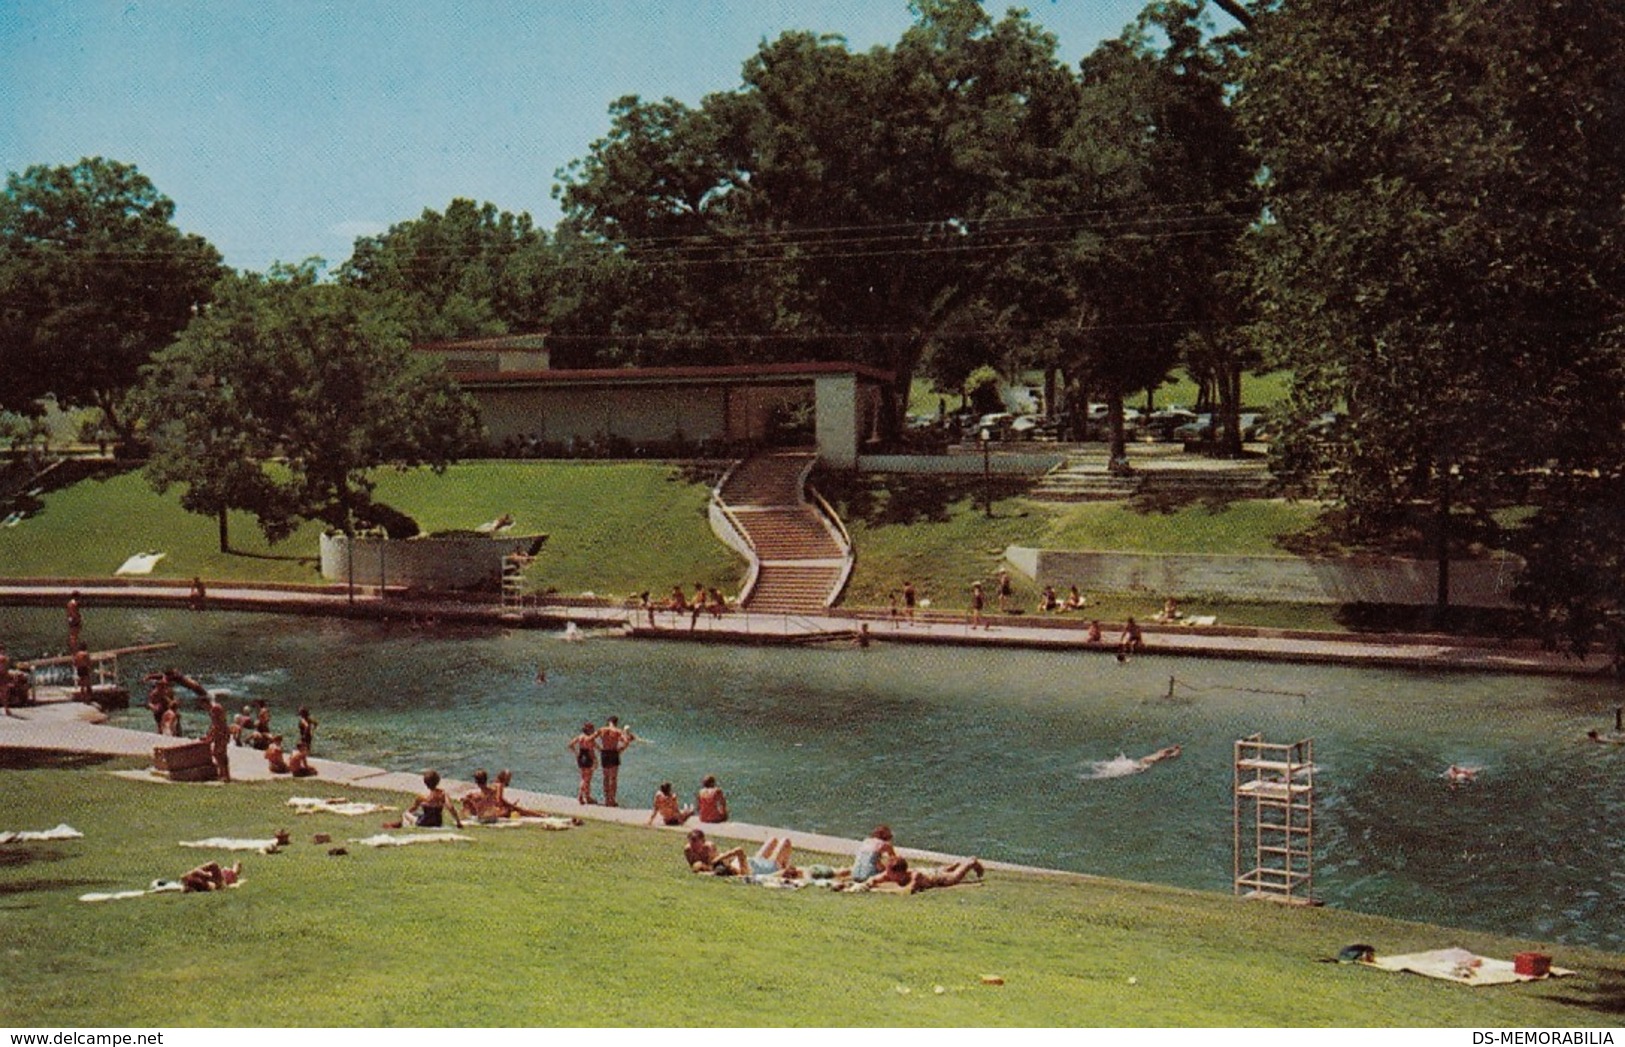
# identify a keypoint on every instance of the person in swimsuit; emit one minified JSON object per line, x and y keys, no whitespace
{"x":1132,"y":641}
{"x":976,"y":602}
{"x":307,"y":729}
{"x":703,"y":856}
{"x":585,"y":746}
{"x":299,"y":762}
{"x":667,"y":808}
{"x":211,"y":877}
{"x":773,"y":859}
{"x":910,"y":600}
{"x":1093,"y":636}
{"x":1006,"y":590}
{"x":710,"y":801}
{"x":242,"y":726}
{"x":612,"y":741}
{"x":1167,"y":753}
{"x":158,"y":697}
{"x":499,"y":798}
{"x":873,"y":854}
{"x":273,"y":756}
{"x":480,"y":803}
{"x":897,"y":872}
{"x":428,"y":811}
{"x":171,"y":723}
{"x":219,"y":737}
{"x":1074,"y":599}
{"x":81,"y":671}
{"x":262,"y":716}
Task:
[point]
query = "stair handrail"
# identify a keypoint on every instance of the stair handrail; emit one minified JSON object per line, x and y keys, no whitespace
{"x":726,"y":526}
{"x":832,"y":523}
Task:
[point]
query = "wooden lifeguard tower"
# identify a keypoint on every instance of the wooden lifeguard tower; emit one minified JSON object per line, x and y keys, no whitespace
{"x":1274,"y":800}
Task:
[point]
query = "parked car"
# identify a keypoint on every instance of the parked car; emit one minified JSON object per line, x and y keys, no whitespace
{"x":996,"y":425}
{"x":1162,"y":423}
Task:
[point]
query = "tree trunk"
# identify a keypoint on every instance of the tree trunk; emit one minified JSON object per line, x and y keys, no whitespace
{"x":225,"y":534}
{"x":1442,"y":546}
{"x":1117,"y":455}
{"x":1227,"y":427}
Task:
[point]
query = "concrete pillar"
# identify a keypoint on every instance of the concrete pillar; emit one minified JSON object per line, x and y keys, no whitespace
{"x":836,"y":408}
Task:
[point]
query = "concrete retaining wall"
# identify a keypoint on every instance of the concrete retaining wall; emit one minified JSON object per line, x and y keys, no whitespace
{"x":1278,"y":579}
{"x":460,"y":562}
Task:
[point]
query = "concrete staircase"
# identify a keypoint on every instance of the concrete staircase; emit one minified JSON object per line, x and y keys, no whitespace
{"x":803,"y":561}
{"x":1085,"y":478}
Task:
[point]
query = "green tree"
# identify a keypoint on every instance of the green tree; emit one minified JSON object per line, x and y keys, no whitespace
{"x":1156,"y":196}
{"x":471,"y":271}
{"x":94,"y":278}
{"x":839,"y":204}
{"x":286,"y":394}
{"x":1442,"y":254}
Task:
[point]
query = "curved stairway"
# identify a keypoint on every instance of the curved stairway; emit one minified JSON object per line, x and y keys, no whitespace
{"x":802,"y":560}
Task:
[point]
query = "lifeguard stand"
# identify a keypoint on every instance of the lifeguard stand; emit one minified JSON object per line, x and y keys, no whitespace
{"x":1274,"y":798}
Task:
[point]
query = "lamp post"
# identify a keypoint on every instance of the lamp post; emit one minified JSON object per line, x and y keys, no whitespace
{"x":987,"y":474}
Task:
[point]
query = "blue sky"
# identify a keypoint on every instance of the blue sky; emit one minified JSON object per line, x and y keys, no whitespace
{"x":286,"y":128}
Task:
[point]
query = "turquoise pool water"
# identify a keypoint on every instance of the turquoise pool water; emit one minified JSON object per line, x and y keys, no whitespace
{"x":984,"y":752}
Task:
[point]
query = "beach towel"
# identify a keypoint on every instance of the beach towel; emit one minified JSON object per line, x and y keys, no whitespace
{"x":1459,"y":966}
{"x":61,"y":832}
{"x":228,"y":843}
{"x":386,"y":840}
{"x":336,"y":805}
{"x":158,"y":887}
{"x":140,"y":563}
{"x":550,"y":822}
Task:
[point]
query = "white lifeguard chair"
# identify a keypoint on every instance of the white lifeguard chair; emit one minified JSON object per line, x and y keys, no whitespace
{"x":1274,"y":801}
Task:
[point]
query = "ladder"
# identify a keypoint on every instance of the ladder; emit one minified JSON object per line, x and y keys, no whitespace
{"x":513,"y":584}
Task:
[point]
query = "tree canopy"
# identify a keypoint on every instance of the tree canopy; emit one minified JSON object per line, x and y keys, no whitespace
{"x":283,"y":396}
{"x":94,"y":278}
{"x":1442,"y":255}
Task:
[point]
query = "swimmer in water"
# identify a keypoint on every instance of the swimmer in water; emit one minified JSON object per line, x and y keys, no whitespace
{"x":1458,"y":774}
{"x":1167,"y":753}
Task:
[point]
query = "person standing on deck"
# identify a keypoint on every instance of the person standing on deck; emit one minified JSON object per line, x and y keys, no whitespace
{"x":585,"y":746}
{"x":612,"y":741}
{"x":219,"y":737}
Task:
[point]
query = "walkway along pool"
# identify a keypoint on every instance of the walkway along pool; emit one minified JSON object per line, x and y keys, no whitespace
{"x":1005,"y":754}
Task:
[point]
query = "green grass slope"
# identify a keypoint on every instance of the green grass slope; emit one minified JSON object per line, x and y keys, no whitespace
{"x":603,"y":925}
{"x":614,"y":528}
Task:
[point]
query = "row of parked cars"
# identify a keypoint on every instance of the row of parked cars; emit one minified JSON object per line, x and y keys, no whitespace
{"x":1169,"y":423}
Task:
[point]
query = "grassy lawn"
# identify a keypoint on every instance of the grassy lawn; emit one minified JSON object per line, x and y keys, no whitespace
{"x":934,"y":531}
{"x":604,"y":926}
{"x":614,"y":528}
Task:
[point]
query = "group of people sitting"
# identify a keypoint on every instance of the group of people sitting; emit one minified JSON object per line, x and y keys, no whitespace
{"x":1052,"y":603}
{"x":875,"y":864}
{"x":710,"y":804}
{"x":488,"y":800}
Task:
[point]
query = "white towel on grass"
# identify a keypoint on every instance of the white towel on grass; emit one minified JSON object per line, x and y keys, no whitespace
{"x":339,"y":805}
{"x":140,"y":563}
{"x":386,"y":840}
{"x":61,"y":832}
{"x":230,"y":843}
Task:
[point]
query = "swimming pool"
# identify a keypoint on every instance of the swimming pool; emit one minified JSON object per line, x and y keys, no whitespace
{"x":979,"y":751}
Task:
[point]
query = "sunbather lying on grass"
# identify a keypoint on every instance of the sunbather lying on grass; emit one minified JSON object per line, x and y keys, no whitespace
{"x":211,"y":877}
{"x":899,"y":874}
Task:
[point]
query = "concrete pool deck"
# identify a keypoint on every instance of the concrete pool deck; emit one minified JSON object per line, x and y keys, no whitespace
{"x":1403,"y":651}
{"x":73,"y":727}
